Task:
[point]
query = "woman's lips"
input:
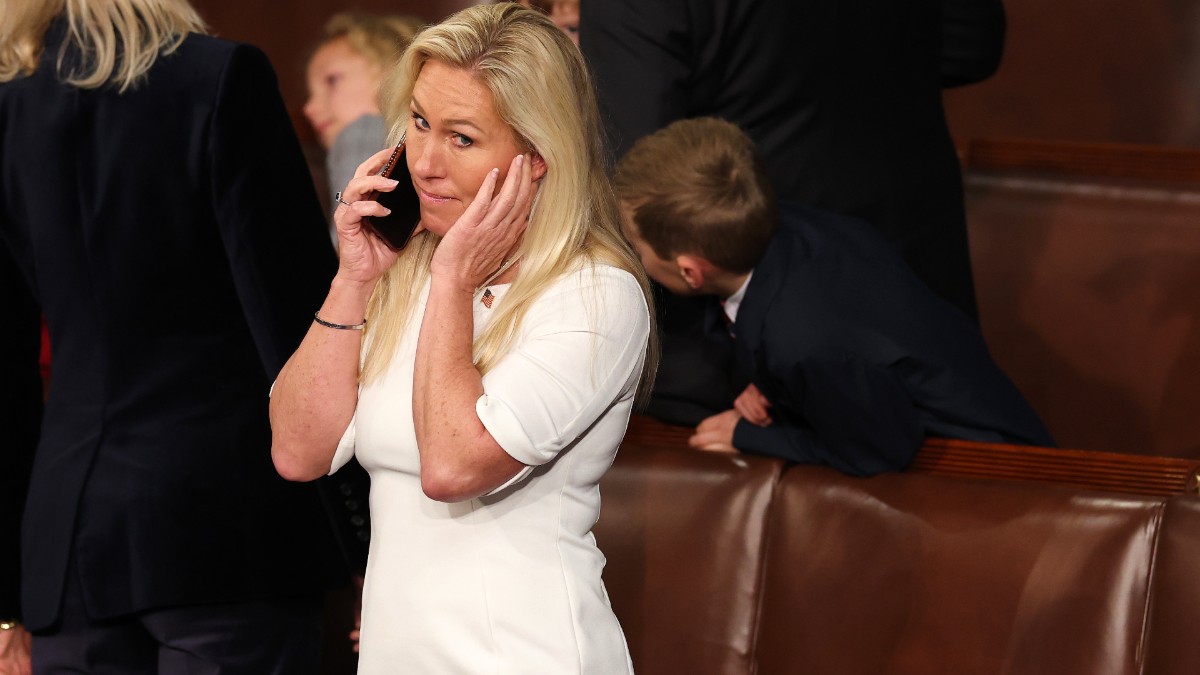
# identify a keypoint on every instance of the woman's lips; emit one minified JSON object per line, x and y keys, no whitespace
{"x":432,"y":198}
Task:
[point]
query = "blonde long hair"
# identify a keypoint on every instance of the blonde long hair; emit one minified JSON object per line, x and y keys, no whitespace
{"x":119,"y":39}
{"x":542,"y":90}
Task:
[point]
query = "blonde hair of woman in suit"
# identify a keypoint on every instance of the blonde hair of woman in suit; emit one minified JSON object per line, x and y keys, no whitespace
{"x":123,"y":37}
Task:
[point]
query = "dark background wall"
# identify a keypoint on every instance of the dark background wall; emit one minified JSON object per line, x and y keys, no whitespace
{"x":1091,"y":70}
{"x":1079,"y":70}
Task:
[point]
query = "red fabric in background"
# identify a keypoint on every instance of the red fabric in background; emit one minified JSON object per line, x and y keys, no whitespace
{"x":44,"y":359}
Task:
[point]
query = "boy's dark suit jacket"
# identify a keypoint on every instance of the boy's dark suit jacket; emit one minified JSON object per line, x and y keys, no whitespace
{"x":859,"y":359}
{"x":172,"y":237}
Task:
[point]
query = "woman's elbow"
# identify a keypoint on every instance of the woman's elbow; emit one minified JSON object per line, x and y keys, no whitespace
{"x":457,"y":478}
{"x":293,"y":465}
{"x":447,"y":485}
{"x":464,"y":468}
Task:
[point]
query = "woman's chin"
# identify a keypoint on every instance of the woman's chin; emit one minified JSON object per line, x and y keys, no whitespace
{"x":436,"y":223}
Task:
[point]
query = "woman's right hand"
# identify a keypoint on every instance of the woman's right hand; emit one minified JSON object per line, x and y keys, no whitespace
{"x":363,"y":257}
{"x":14,"y":651}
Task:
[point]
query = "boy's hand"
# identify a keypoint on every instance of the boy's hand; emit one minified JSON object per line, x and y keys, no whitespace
{"x":754,"y":407}
{"x":715,"y":434}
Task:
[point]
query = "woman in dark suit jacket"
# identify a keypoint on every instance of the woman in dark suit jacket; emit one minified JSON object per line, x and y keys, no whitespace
{"x":156,"y":206}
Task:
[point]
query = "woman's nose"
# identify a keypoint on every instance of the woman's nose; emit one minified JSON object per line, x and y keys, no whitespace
{"x":426,"y":158}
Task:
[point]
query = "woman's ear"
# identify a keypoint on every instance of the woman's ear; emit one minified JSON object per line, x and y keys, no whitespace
{"x":538,"y":167}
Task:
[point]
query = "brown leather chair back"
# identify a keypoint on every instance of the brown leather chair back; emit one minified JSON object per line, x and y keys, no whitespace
{"x":909,"y":573}
{"x":684,"y":533}
{"x":1174,"y":613}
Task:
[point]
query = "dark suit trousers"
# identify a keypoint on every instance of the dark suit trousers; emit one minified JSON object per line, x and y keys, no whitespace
{"x":281,"y":637}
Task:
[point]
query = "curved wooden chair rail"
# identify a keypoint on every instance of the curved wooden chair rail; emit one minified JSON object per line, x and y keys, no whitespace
{"x":1151,"y":163}
{"x":1106,"y":471}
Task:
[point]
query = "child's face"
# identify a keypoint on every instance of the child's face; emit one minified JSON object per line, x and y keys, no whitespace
{"x":665,"y":272}
{"x":341,"y":88}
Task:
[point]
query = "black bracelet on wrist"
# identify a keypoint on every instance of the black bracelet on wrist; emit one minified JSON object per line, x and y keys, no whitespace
{"x":339,"y":326}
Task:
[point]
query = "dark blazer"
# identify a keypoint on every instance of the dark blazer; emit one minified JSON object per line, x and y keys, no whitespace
{"x":172,"y":237}
{"x":21,"y":412}
{"x":842,"y":99}
{"x":859,"y":359}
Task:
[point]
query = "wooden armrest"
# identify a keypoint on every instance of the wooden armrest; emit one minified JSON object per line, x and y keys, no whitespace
{"x":1094,"y":160}
{"x":1109,"y":471}
{"x":1087,"y":469}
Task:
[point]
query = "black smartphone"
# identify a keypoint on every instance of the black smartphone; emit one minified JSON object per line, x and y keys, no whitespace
{"x":396,"y":228}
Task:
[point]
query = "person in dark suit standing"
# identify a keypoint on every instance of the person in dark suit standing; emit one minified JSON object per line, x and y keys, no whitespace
{"x":155,"y":205}
{"x":848,"y":359}
{"x":21,"y":410}
{"x":844,"y":102}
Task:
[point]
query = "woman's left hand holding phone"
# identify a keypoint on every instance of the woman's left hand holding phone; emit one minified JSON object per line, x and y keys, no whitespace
{"x":363,"y":257}
{"x":316,"y":392}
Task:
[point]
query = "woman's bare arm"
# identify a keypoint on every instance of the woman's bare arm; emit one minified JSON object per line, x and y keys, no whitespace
{"x":459,"y":457}
{"x":317,"y":390}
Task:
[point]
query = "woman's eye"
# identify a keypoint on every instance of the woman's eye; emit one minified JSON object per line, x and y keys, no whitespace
{"x":463,"y":141}
{"x":332,"y":80}
{"x":420,"y":122}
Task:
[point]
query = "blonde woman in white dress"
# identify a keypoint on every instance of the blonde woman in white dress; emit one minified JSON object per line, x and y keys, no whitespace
{"x":503,"y":351}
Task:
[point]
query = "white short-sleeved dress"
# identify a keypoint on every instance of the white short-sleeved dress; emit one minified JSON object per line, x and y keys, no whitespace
{"x":508,"y":582}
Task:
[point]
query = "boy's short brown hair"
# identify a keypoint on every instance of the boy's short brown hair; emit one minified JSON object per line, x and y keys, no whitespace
{"x":697,"y":187}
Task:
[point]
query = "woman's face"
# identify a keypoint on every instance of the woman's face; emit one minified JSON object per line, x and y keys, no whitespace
{"x":342,"y":86}
{"x":454,"y":139}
